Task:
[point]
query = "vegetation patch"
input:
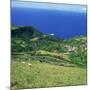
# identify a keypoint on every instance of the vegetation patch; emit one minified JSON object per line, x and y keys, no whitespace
{"x":42,"y":60}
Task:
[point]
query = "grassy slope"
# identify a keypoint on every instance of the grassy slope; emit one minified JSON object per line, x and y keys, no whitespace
{"x":58,"y":55}
{"x":29,"y":39}
{"x":61,"y":68}
{"x":45,"y":75}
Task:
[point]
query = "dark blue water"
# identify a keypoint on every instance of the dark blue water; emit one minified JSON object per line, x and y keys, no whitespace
{"x":62,"y":24}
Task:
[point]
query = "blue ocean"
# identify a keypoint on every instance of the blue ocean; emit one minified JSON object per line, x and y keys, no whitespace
{"x":63,"y":24}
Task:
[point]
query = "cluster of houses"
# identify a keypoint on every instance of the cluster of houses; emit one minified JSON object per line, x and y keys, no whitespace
{"x":70,"y":48}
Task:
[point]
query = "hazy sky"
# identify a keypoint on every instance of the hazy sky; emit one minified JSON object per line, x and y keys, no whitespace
{"x":83,"y":2}
{"x":63,"y":7}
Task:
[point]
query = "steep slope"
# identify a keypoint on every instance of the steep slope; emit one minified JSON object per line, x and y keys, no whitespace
{"x":28,"y":40}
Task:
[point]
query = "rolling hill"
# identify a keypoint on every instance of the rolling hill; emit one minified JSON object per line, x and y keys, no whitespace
{"x":28,"y":40}
{"x":54,"y":61}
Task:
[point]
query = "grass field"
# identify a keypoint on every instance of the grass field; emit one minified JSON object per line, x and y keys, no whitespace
{"x":42,"y":74}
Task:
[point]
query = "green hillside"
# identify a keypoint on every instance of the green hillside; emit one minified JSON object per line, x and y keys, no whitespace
{"x":30,"y":41}
{"x":54,"y":61}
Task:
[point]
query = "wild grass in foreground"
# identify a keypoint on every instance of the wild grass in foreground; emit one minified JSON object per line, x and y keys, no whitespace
{"x":42,"y":74}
